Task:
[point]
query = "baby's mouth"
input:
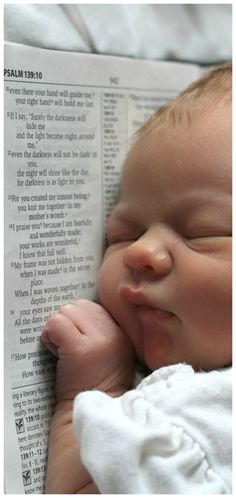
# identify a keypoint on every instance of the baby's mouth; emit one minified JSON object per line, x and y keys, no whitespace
{"x":147,"y":313}
{"x":146,"y":309}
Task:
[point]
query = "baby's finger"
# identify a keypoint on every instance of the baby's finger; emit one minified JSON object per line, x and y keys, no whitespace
{"x":93,"y":319}
{"x":58,"y":332}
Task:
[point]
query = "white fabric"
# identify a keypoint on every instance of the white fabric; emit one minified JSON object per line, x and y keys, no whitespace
{"x":170,"y":435}
{"x":200,"y":33}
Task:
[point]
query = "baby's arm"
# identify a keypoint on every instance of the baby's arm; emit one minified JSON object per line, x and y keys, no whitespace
{"x":65,"y":471}
{"x":93,"y":353}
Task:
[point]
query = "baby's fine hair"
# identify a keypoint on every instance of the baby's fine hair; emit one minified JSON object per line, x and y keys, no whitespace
{"x":213,"y":89}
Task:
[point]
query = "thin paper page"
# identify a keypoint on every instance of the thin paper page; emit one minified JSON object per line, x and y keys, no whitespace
{"x":69,"y":119}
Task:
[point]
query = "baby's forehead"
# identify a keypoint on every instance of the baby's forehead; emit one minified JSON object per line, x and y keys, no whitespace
{"x":178,"y":125}
{"x":201,"y":151}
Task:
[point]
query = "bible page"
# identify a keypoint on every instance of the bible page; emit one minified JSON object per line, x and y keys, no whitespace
{"x":69,"y":120}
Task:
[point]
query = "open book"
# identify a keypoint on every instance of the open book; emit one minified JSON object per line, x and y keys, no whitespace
{"x":69,"y":121}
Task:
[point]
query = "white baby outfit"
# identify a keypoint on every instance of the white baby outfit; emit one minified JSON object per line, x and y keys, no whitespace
{"x":170,"y":435}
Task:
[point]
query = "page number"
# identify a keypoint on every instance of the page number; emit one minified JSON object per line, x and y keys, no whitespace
{"x":114,"y":80}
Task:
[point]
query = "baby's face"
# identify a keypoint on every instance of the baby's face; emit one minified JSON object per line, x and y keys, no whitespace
{"x":166,"y":275}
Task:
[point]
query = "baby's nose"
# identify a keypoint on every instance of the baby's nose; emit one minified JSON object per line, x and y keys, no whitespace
{"x":148,"y":253}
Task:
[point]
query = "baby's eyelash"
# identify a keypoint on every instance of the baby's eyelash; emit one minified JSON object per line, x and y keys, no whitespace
{"x":120,"y":237}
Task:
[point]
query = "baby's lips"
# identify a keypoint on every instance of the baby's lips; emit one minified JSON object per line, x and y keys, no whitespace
{"x":135,"y":297}
{"x":144,"y":305}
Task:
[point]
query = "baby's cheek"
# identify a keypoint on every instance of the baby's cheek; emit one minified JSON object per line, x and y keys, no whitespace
{"x":206,"y":291}
{"x":106,"y":283}
{"x":101,"y":282}
{"x":111,"y":274}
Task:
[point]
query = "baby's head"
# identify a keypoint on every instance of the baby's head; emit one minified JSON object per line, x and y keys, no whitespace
{"x":166,"y":274}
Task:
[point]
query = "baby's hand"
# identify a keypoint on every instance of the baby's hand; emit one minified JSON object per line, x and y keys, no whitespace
{"x":92,"y":351}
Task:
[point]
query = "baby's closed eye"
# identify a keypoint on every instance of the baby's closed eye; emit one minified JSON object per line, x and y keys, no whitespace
{"x":209,"y":243}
